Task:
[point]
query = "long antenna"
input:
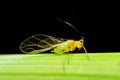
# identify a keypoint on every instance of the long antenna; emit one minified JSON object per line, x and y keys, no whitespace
{"x":80,"y":31}
{"x":66,"y":22}
{"x":76,"y":18}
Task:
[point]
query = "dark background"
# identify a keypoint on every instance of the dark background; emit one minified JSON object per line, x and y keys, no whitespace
{"x":99,"y":24}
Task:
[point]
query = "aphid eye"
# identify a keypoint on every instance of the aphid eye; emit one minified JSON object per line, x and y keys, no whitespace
{"x":81,"y":41}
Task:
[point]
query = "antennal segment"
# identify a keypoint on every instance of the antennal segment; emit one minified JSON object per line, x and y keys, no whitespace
{"x":68,"y":24}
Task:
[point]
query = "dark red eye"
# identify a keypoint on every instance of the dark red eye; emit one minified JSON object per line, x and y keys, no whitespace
{"x":81,"y":41}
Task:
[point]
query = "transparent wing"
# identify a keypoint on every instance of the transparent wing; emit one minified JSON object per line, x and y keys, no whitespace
{"x":40,"y":43}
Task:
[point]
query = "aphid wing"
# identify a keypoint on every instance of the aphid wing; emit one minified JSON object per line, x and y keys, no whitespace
{"x":39,"y":43}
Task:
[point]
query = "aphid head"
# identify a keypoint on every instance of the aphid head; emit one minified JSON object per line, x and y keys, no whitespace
{"x":82,"y":41}
{"x":79,"y":44}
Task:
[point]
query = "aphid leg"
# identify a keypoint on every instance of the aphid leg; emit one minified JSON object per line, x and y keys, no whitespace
{"x":68,"y":58}
{"x":86,"y":53}
{"x":65,"y":60}
{"x":63,"y":63}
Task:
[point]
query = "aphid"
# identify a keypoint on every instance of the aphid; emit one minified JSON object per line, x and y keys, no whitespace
{"x":41,"y":43}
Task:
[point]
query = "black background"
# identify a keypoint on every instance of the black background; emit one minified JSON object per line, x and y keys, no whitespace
{"x":99,"y":24}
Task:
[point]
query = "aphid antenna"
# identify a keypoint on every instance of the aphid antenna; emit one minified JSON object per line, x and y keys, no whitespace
{"x":78,"y":23}
{"x":66,"y":22}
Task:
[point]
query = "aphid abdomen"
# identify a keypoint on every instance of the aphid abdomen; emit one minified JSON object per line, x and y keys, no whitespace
{"x":61,"y":49}
{"x":65,"y":47}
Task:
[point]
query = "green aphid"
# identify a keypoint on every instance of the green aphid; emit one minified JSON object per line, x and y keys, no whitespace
{"x":41,"y":43}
